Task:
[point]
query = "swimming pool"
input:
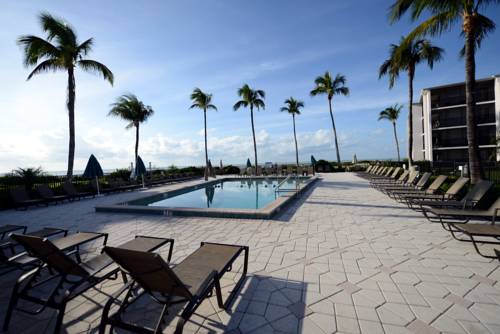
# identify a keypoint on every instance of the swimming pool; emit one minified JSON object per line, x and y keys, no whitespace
{"x":229,"y":194}
{"x":259,"y":197}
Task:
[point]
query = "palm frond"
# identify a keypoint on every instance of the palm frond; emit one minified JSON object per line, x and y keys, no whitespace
{"x":85,"y":47}
{"x":240,"y":104}
{"x":46,"y":66}
{"x":259,"y":104}
{"x":398,"y":9}
{"x":36,"y":48}
{"x":98,"y":68}
{"x":435,"y":25}
{"x":57,"y":29}
{"x":342,"y":91}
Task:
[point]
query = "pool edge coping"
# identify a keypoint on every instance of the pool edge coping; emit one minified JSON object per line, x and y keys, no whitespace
{"x":266,"y":212}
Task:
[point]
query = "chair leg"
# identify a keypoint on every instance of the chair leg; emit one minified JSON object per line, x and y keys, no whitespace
{"x":218,"y":293}
{"x":10,"y":309}
{"x":60,"y":317}
{"x":158,"y":329}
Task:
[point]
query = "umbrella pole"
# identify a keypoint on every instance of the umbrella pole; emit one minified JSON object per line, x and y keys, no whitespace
{"x":97,"y":182}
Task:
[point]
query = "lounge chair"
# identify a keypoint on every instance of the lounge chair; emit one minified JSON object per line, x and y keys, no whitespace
{"x":403,"y":181}
{"x":71,"y":191}
{"x":474,"y":231}
{"x":13,"y":256}
{"x":6,"y":229}
{"x":409,"y":184}
{"x":431,"y":190}
{"x":388,"y":182}
{"x":457,"y":216}
{"x":47,"y":194}
{"x":191,"y":281}
{"x":73,"y":278}
{"x":419,"y":186}
{"x":384,"y":174}
{"x":450,"y":194}
{"x":469,"y":201}
{"x":367,"y":172}
{"x":22,"y":200}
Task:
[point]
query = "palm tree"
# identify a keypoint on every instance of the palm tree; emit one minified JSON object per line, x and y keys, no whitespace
{"x":29,"y":176}
{"x":249,"y":99}
{"x":293,"y":108}
{"x":203,"y":101}
{"x":404,"y":57}
{"x":129,"y":108}
{"x":61,"y":51}
{"x":325,"y":85}
{"x":475,"y":27}
{"x":392,"y":114}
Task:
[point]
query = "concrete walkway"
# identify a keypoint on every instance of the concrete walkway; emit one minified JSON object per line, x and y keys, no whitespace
{"x":344,"y":258}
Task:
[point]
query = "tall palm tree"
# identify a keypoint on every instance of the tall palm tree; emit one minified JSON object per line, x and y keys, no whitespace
{"x":330,"y":87}
{"x":251,"y":99}
{"x":475,"y":27}
{"x":203,"y":101}
{"x":129,"y":108}
{"x":404,"y":57}
{"x":61,"y":51}
{"x":392,"y":114}
{"x":293,"y":107}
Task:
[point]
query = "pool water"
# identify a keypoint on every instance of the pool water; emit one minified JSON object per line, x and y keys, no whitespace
{"x":230,"y":194}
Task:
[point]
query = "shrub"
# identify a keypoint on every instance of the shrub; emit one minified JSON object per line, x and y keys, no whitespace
{"x":122,"y":173}
{"x":230,"y":170}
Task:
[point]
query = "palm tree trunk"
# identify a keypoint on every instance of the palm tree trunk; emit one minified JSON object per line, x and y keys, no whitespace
{"x":136,"y":144}
{"x":396,"y":139}
{"x":206,"y":150}
{"x":254,"y":141}
{"x":296,"y":147}
{"x":334,"y":131}
{"x":71,"y":117}
{"x":476,"y":172}
{"x":411,"y":75}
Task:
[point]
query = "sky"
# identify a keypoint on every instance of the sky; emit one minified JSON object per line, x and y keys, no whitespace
{"x":161,"y":50}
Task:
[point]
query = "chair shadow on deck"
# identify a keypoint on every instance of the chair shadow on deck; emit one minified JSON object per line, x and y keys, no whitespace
{"x":343,"y":184}
{"x":262,"y":302}
{"x":356,"y":205}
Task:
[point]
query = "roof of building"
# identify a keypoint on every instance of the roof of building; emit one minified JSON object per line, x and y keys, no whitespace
{"x":462,"y":83}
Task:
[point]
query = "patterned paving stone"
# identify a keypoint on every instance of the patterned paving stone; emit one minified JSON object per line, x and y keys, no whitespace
{"x":343,"y":259}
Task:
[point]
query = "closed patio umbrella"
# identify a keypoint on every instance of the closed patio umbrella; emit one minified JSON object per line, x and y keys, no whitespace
{"x":249,"y":164}
{"x":313,"y":163}
{"x":140,"y":169}
{"x":354,"y":159}
{"x":93,"y":170}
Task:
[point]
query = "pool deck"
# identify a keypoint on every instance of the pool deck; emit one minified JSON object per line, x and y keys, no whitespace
{"x":344,"y":258}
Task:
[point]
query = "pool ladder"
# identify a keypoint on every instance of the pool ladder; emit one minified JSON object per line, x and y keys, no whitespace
{"x":297,"y":186}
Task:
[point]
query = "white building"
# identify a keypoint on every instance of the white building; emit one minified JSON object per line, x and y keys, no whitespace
{"x":439,"y":122}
